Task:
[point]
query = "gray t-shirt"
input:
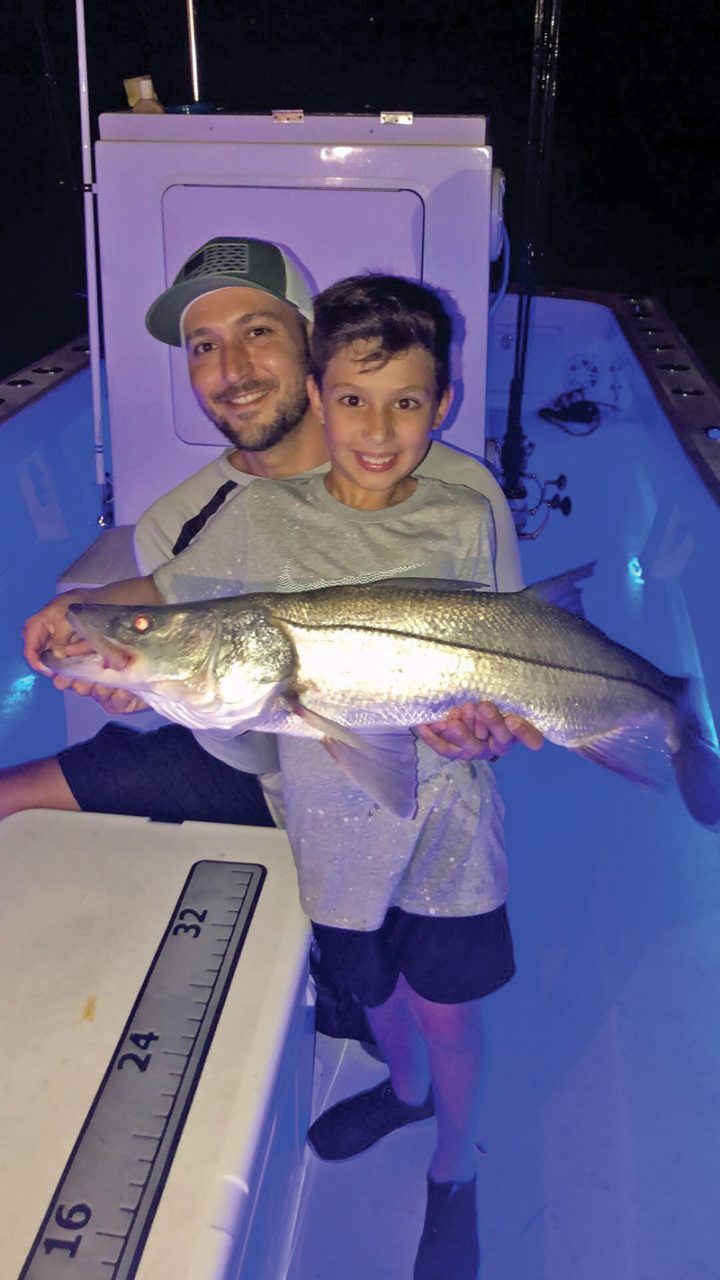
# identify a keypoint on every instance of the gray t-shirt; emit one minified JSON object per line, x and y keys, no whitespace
{"x":354,"y":859}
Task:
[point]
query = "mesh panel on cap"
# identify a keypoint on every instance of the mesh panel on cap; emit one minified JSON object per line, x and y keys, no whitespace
{"x":221,"y":258}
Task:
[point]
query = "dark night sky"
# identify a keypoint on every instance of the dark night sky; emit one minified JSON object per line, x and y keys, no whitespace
{"x":635,"y":193}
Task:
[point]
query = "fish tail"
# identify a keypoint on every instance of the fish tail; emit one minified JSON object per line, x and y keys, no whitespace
{"x":696,"y":762}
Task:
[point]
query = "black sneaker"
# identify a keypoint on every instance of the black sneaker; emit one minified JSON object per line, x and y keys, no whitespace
{"x":449,"y":1247}
{"x":357,"y":1123}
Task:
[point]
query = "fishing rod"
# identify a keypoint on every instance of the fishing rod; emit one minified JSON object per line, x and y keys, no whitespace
{"x":516,"y":448}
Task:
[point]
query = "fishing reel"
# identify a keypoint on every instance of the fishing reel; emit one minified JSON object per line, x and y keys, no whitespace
{"x":544,"y":504}
{"x":516,"y":490}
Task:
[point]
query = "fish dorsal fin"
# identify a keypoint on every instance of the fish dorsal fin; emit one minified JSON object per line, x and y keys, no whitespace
{"x":563,"y":590}
{"x":384,"y":765}
{"x":430,"y":584}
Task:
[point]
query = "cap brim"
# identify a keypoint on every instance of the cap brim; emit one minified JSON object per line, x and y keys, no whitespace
{"x":163,"y":317}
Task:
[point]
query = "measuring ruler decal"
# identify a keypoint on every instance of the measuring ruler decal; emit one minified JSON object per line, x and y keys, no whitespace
{"x":99,"y":1218}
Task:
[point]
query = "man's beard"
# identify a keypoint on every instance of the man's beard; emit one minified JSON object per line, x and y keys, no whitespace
{"x":286,"y":419}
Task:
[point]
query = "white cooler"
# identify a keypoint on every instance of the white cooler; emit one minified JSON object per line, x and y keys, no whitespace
{"x":94,"y":919}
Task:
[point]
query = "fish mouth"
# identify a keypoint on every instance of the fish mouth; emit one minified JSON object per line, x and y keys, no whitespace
{"x":103,"y":665}
{"x":111,"y":653}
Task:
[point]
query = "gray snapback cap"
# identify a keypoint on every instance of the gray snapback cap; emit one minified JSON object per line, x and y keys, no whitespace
{"x":224,"y":263}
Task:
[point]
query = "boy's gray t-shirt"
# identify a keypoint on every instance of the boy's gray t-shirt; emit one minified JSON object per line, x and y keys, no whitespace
{"x":354,"y":859}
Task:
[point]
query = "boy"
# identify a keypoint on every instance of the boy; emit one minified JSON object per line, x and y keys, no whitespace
{"x":409,"y":912}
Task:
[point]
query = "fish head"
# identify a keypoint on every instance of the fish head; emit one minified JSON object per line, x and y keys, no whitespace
{"x":207,"y":664}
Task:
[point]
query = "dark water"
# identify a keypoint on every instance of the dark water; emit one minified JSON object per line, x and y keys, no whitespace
{"x":635,"y":192}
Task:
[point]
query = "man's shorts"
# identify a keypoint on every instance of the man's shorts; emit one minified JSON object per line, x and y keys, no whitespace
{"x":446,"y":959}
{"x":164,"y":775}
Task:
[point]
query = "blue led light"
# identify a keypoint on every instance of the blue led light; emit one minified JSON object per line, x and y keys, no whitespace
{"x":17,"y":692}
{"x":636,"y":571}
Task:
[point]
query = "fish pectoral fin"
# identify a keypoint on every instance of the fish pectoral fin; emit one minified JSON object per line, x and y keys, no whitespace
{"x":383,"y":764}
{"x":635,"y":752}
{"x":328,"y":728}
{"x":563,"y":590}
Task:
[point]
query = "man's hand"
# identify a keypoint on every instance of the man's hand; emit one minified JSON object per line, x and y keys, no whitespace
{"x":478,"y":731}
{"x":49,"y":629}
{"x":114,"y":701}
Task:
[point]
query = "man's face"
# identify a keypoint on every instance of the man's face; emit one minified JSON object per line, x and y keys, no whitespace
{"x":247,"y":359}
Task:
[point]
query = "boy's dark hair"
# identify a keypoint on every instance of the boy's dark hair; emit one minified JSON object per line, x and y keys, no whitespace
{"x":389,"y":311}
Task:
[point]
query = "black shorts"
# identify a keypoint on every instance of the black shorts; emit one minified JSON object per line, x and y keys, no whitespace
{"x":447,"y":959}
{"x":164,"y":775}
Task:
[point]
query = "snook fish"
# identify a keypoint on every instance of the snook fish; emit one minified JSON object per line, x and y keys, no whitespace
{"x":358,"y":666}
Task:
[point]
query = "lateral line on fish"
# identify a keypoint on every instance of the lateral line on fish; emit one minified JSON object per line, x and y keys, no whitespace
{"x":491,"y":653}
{"x":573,"y":671}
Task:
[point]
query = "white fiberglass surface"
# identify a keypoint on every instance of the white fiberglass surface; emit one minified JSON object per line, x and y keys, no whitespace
{"x":602,"y":1096}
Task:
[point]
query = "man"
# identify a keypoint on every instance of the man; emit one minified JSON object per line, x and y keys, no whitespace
{"x":240,"y":307}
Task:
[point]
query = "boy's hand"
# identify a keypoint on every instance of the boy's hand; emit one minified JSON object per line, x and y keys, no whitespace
{"x":478,"y":731}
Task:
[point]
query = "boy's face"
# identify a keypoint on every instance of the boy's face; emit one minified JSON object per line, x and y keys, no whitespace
{"x":377,"y":419}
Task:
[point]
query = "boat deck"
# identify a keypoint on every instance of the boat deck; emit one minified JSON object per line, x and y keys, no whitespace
{"x":601,"y":1121}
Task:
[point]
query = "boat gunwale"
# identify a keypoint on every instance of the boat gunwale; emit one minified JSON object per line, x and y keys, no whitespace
{"x":42,"y":375}
{"x":690,"y":411}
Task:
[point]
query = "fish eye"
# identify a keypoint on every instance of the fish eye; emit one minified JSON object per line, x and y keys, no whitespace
{"x":142,"y":622}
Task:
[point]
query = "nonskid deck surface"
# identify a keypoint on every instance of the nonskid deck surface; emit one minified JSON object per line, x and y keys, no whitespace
{"x":600,"y":1120}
